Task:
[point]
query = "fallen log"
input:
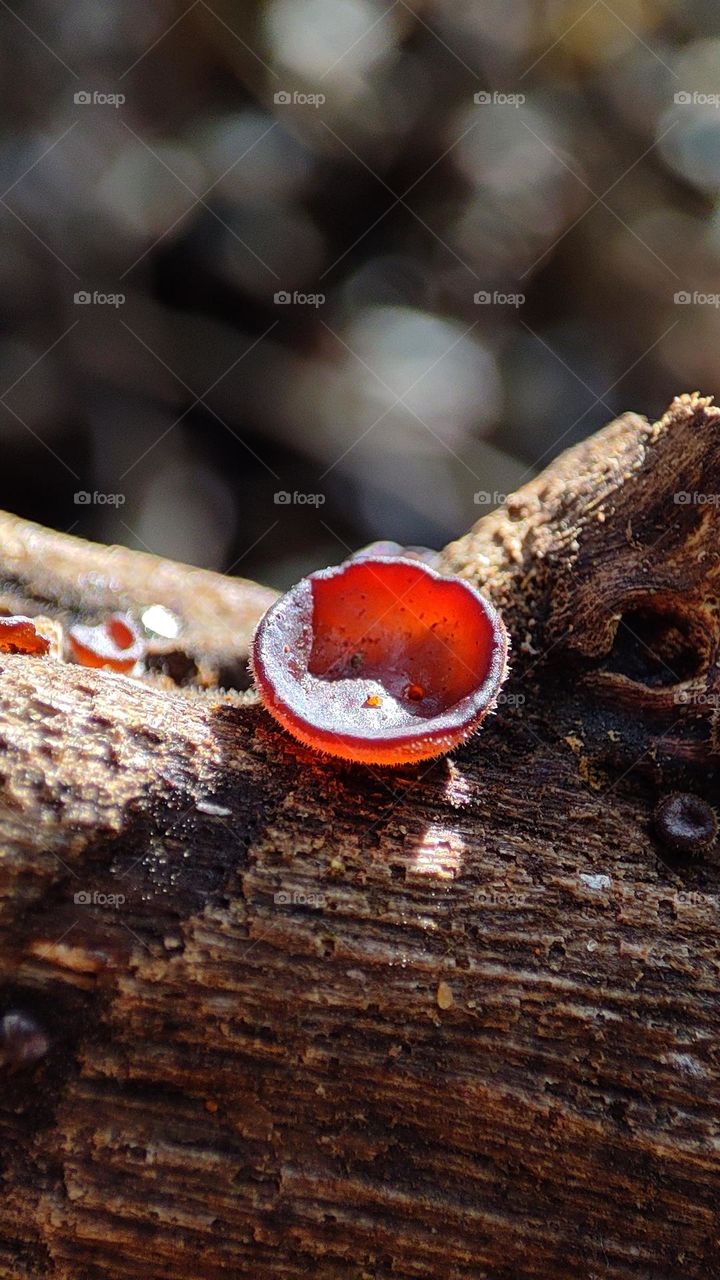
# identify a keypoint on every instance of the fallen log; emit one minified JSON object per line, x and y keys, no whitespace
{"x":265,"y":1014}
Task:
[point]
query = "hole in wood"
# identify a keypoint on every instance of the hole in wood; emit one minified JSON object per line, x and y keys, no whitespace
{"x":655,"y":647}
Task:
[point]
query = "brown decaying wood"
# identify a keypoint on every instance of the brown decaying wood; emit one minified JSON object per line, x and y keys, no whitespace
{"x":454,"y":1021}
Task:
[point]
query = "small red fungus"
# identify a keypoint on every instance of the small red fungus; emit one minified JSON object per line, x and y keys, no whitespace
{"x":115,"y":644}
{"x":20,"y":635}
{"x":426,"y":653}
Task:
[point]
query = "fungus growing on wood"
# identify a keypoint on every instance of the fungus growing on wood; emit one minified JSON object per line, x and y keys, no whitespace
{"x":380,"y":660}
{"x":20,"y":635}
{"x":22,"y":1040}
{"x":685,"y":823}
{"x":115,"y":644}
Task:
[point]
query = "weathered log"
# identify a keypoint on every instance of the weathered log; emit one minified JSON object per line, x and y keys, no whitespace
{"x":283,"y":1017}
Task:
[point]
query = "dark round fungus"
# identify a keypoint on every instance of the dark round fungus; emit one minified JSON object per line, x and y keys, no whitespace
{"x":22,"y":1040}
{"x":685,"y":823}
{"x":380,"y":660}
{"x":115,"y":644}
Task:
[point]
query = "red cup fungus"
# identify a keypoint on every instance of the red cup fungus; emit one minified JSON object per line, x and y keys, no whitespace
{"x":20,"y":635}
{"x":380,"y":660}
{"x":115,"y":644}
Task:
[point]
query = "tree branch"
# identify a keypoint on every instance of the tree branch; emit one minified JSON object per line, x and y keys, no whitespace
{"x":458,"y":1020}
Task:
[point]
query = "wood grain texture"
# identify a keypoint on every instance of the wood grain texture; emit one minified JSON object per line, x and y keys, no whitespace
{"x":457,"y":1021}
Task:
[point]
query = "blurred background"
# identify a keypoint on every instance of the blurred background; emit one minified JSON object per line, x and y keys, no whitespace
{"x":281,"y":278}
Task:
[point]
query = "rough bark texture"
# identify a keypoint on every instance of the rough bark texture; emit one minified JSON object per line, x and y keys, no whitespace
{"x":450,"y":1022}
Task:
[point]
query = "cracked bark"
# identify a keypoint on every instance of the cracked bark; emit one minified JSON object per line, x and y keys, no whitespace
{"x":457,"y":1020}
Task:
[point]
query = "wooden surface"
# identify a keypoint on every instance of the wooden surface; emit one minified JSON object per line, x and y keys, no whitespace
{"x":449,"y":1022}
